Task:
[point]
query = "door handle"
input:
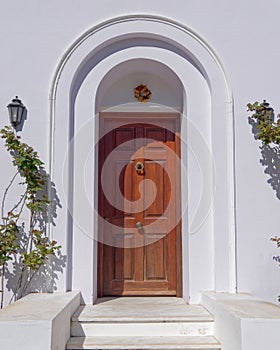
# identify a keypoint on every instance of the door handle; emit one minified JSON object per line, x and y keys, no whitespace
{"x":139,"y":225}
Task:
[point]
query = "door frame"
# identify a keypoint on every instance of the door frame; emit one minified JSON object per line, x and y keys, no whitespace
{"x":122,"y":118}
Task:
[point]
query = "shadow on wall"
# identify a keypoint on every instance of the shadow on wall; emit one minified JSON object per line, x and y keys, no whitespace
{"x":44,"y":279}
{"x":270,"y":159}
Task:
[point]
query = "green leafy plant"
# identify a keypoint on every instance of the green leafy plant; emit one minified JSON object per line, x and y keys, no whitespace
{"x":276,"y":240}
{"x":267,"y":130}
{"x":27,"y":244}
{"x":263,"y":116}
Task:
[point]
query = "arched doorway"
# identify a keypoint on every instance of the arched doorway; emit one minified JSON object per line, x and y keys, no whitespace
{"x":206,"y":128}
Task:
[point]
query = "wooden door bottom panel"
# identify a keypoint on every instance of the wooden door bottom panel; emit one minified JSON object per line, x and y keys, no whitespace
{"x":130,"y":293}
{"x":140,"y":288}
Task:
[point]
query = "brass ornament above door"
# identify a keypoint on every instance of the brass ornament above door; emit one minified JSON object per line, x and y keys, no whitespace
{"x":142,"y":93}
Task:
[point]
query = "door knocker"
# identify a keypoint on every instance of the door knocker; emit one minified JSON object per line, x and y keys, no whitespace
{"x":139,"y":166}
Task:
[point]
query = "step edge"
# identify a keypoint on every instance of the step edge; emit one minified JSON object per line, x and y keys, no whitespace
{"x":98,"y":340}
{"x":141,"y":320}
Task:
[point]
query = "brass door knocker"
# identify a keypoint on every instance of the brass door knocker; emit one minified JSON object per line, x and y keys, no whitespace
{"x":139,"y":166}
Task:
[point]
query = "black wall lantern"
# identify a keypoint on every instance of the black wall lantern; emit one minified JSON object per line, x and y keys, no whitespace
{"x":16,"y":111}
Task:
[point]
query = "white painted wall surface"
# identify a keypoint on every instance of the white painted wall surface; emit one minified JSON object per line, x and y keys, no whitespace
{"x":35,"y":35}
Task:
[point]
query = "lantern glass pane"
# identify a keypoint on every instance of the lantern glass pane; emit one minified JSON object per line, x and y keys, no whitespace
{"x":10,"y":111}
{"x":14,"y":115}
{"x":20,"y":113}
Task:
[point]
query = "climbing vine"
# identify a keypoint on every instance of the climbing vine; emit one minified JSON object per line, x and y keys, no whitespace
{"x":24,"y":241}
{"x":263,"y":116}
{"x":268,"y":131}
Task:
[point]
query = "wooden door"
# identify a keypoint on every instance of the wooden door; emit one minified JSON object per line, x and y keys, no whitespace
{"x":138,"y":254}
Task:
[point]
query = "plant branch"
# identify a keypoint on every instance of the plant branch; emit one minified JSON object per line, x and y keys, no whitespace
{"x":19,"y":202}
{"x":31,"y":245}
{"x":6,"y":192}
{"x":27,"y":283}
{"x":2,"y":285}
{"x":18,"y":286}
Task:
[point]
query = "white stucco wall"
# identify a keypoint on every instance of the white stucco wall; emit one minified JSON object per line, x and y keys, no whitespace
{"x":34,"y":36}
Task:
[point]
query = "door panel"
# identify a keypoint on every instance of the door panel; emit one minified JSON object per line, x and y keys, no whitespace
{"x":137,"y":261}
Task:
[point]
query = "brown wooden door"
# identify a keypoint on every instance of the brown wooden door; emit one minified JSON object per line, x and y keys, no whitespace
{"x":138,"y":255}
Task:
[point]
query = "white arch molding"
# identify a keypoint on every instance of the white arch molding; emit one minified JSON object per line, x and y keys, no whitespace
{"x":72,"y":97}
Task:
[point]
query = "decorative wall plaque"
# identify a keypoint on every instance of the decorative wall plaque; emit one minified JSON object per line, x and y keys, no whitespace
{"x":142,"y":93}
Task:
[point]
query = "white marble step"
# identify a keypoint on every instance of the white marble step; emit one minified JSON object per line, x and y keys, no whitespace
{"x":139,"y":309}
{"x":144,"y":343}
{"x":79,"y":329}
{"x":141,"y":317}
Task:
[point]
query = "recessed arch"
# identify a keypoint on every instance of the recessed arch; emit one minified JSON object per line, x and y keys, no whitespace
{"x":126,"y":41}
{"x":118,"y":85}
{"x":72,"y":96}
